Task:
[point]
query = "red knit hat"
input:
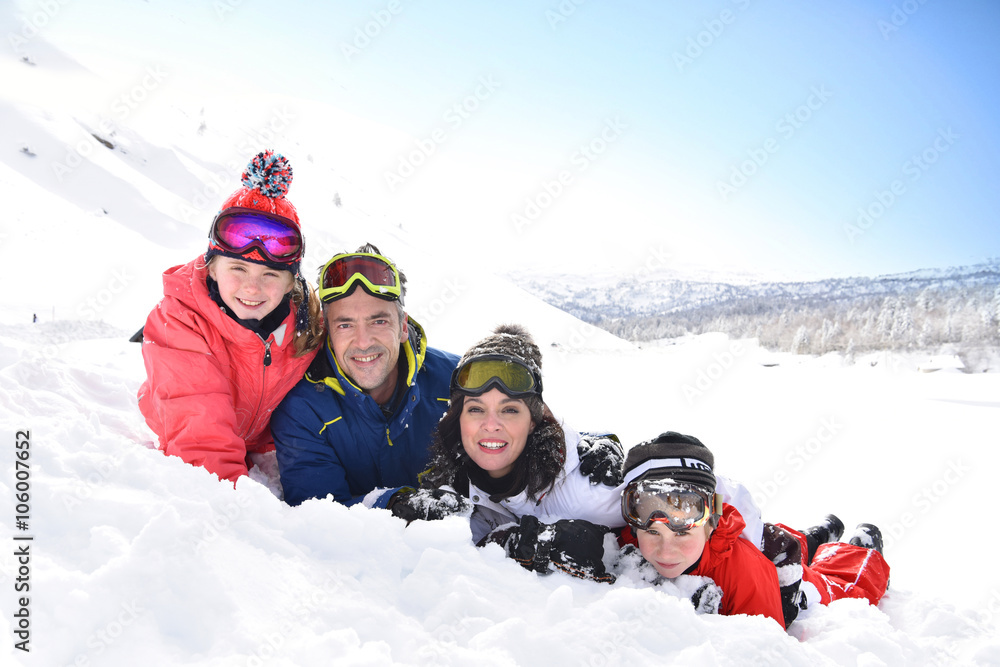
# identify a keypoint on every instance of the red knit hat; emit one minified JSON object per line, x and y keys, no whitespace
{"x":265,"y":182}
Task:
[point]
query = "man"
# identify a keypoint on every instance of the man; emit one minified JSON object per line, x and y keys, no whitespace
{"x":360,"y":422}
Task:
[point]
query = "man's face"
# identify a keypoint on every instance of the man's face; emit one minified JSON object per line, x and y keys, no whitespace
{"x":365,"y":333}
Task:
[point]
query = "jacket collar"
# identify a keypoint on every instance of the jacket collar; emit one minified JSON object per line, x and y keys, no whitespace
{"x":326,"y":370}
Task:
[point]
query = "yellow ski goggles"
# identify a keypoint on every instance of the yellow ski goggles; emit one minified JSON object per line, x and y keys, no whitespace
{"x":511,"y":376}
{"x":373,"y":273}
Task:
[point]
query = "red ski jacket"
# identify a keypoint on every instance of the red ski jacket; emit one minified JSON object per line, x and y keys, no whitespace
{"x":212,"y":384}
{"x":749,"y":581}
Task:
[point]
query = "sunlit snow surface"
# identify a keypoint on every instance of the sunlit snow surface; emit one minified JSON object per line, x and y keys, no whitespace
{"x":137,"y":556}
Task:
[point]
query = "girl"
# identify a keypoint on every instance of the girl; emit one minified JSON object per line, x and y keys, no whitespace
{"x":682,"y":526}
{"x":234,"y":332}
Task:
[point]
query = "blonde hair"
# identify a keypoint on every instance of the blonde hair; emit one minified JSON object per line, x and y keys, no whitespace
{"x":312,"y":338}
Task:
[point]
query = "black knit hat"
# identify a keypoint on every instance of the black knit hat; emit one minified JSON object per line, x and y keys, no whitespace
{"x":511,"y":340}
{"x":674,"y":456}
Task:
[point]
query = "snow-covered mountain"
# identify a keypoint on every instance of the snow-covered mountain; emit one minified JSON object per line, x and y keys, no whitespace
{"x":644,"y":292}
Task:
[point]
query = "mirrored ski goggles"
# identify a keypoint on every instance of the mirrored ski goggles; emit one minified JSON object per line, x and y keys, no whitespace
{"x":374,"y":273}
{"x":511,"y":376}
{"x":238,"y":230}
{"x":678,"y":505}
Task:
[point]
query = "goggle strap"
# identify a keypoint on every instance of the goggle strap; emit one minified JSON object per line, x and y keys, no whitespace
{"x":717,"y":503}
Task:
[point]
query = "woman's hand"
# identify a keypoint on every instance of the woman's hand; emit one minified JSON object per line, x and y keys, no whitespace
{"x":601,"y":457}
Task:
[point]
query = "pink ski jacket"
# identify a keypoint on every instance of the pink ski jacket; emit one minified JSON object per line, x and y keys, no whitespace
{"x":212,"y":384}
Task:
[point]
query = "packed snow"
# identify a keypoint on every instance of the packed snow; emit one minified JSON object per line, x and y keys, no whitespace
{"x":137,"y":558}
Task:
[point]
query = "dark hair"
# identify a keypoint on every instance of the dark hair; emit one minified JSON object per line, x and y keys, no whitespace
{"x":535,"y":470}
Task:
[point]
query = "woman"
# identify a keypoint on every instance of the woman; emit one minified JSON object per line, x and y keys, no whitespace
{"x":534,"y":484}
{"x":234,"y":332}
{"x":500,"y":446}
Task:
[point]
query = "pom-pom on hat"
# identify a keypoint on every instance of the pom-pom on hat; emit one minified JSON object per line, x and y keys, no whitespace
{"x":265,"y":183}
{"x":671,"y":455}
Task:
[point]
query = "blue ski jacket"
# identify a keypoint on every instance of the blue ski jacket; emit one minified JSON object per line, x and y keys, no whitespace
{"x":333,"y":438}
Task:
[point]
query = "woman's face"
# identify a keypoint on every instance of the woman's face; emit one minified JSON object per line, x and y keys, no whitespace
{"x":250,"y":290}
{"x":495,"y":429}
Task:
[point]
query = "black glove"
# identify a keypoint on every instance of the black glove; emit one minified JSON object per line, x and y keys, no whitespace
{"x":427,"y":504}
{"x":707,"y":598}
{"x":573,"y":546}
{"x":601,"y":457}
{"x":785,"y":551}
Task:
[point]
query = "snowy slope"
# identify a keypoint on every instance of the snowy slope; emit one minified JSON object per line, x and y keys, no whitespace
{"x":140,"y":559}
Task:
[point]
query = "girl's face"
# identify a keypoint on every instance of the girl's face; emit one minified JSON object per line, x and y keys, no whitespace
{"x":495,"y":429}
{"x":250,"y":290}
{"x":672,"y":553}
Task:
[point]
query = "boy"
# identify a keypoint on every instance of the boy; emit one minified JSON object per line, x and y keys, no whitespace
{"x":682,"y":527}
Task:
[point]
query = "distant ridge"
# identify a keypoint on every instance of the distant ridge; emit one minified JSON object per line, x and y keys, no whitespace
{"x":918,"y":310}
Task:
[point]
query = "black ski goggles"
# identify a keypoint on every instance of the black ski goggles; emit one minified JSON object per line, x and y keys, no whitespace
{"x":488,"y":371}
{"x":677,"y":505}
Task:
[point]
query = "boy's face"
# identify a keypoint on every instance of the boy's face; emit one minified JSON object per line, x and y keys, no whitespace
{"x":672,"y":553}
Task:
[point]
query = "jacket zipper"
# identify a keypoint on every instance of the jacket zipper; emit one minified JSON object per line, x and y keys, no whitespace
{"x":263,"y":387}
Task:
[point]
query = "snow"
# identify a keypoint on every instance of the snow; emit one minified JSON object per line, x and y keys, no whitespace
{"x":137,"y":558}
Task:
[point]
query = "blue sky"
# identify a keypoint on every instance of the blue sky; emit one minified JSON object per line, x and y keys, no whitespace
{"x":809,"y":141}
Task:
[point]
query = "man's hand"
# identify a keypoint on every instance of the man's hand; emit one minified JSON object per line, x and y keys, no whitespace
{"x":428,"y":504}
